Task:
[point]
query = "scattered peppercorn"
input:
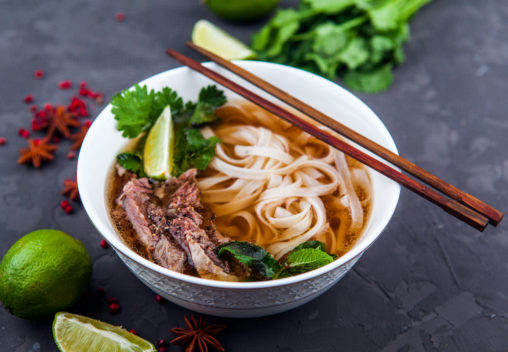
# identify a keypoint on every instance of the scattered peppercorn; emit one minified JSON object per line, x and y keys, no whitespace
{"x":161,"y":342}
{"x":68,"y":209}
{"x":100,"y":291}
{"x":159,"y":298}
{"x":133,"y":331}
{"x":120,"y":17}
{"x":28,"y":98}
{"x":104,"y":244}
{"x":114,"y":307}
{"x":71,"y":155}
{"x":39,"y":73}
{"x":65,"y":84}
{"x":2,"y":140}
{"x":112,"y":299}
{"x":23,"y":133}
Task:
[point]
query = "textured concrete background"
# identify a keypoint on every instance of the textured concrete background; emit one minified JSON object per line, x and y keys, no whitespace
{"x":429,"y":283}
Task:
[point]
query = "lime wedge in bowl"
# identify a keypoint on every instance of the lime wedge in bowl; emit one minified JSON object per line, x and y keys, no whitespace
{"x":76,"y":333}
{"x":158,"y":151}
{"x":214,"y":39}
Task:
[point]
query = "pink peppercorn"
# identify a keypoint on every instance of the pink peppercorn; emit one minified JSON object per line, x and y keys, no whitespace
{"x":28,"y":98}
{"x":55,"y":139}
{"x":68,"y":209}
{"x":88,"y":123}
{"x":120,"y":17}
{"x":39,"y":73}
{"x":104,"y":244}
{"x":71,"y":155}
{"x":23,"y":133}
{"x":112,"y":299}
{"x":2,"y":140}
{"x":64,"y":204}
{"x":65,"y":84}
{"x":159,"y":298}
{"x":33,"y":108}
{"x":100,"y":291}
{"x":114,"y":307}
{"x":162,"y":349}
{"x":133,"y":331}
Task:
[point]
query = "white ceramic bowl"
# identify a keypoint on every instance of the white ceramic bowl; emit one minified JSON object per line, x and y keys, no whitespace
{"x":237,"y":299}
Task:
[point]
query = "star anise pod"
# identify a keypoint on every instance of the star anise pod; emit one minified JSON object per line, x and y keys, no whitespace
{"x":78,"y":137}
{"x":38,"y":151}
{"x":71,"y":189}
{"x":198,"y":336}
{"x":60,"y":120}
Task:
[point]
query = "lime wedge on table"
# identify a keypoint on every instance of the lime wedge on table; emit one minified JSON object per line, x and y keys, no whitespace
{"x":76,"y":333}
{"x":214,"y":39}
{"x":158,"y":152}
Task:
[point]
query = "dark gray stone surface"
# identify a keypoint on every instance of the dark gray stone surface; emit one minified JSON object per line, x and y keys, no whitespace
{"x":430,"y":283}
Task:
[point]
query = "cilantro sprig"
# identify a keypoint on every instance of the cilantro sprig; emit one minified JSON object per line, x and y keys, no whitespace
{"x":359,"y":40}
{"x":136,"y":111}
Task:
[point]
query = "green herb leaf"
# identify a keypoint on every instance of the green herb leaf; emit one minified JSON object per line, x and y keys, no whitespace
{"x":311,"y":244}
{"x":212,"y":95}
{"x":131,"y":162}
{"x":192,"y":150}
{"x":374,"y":81}
{"x":359,"y":40}
{"x":132,"y":110}
{"x":307,"y":259}
{"x":257,"y":260}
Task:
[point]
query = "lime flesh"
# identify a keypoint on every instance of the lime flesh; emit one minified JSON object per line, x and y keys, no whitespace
{"x":76,"y":333}
{"x":158,"y":151}
{"x":214,"y":39}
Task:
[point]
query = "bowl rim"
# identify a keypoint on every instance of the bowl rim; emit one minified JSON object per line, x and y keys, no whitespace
{"x":118,"y":245}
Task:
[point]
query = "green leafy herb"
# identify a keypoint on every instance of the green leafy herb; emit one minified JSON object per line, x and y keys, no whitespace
{"x":210,"y":97}
{"x":358,"y":40}
{"x":307,"y":256}
{"x":131,"y":162}
{"x":260,"y":263}
{"x":192,"y":150}
{"x":136,"y":111}
{"x":133,"y":110}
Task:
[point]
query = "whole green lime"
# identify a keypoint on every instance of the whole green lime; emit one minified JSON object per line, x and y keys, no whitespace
{"x":241,"y":10}
{"x":43,"y":272}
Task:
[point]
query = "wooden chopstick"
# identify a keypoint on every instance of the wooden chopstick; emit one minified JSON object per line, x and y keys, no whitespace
{"x":453,"y":207}
{"x":494,"y":215}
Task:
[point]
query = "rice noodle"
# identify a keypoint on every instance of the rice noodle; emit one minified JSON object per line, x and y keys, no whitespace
{"x":274,"y":185}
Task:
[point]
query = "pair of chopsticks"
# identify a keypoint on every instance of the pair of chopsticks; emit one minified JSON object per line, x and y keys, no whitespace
{"x":463,"y":206}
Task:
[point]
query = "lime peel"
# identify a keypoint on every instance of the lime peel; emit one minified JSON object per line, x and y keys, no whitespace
{"x":77,"y":333}
{"x":214,"y":39}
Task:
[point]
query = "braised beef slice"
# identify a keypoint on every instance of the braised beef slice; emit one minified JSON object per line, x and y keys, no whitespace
{"x":173,"y":225}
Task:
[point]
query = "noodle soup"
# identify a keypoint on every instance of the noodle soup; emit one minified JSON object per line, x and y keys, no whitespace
{"x":269,"y":184}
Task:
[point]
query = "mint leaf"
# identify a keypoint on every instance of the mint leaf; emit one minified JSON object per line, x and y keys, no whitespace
{"x":132,"y":110}
{"x":311,"y":244}
{"x":260,"y":263}
{"x":303,"y":260}
{"x":131,"y":162}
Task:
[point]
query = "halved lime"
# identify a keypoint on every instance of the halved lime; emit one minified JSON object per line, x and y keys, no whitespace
{"x":214,"y":39}
{"x":76,"y":333}
{"x":158,"y":152}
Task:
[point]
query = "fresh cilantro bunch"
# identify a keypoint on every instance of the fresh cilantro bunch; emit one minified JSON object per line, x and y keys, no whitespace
{"x":137,"y":110}
{"x":358,"y":40}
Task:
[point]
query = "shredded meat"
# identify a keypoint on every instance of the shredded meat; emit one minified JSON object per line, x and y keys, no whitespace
{"x":173,"y":227}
